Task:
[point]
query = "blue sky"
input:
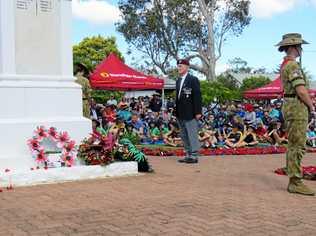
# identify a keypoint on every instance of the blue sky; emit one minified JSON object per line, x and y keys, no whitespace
{"x":271,"y":19}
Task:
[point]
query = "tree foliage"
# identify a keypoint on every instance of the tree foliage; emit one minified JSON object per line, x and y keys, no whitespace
{"x":102,"y":96}
{"x":254,"y":82}
{"x":238,"y":65}
{"x":227,"y":81}
{"x":91,"y":51}
{"x":166,"y":30}
{"x":214,"y":90}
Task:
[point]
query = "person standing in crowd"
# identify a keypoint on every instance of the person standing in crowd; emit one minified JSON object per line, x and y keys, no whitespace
{"x":188,"y":110}
{"x":112,"y":101}
{"x":93,"y":110}
{"x":132,"y":103}
{"x":155,"y":104}
{"x":82,"y":74}
{"x":170,"y":103}
{"x":297,"y":104}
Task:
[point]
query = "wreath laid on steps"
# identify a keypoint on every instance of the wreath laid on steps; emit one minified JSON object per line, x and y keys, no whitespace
{"x":104,"y":149}
{"x":97,"y":149}
{"x":49,"y":141}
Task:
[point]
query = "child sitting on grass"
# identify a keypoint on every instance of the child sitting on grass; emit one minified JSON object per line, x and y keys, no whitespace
{"x":207,"y":138}
{"x":275,"y":134}
{"x":154,"y":132}
{"x":172,"y":138}
{"x":311,"y":136}
{"x":249,"y":138}
{"x":234,"y":137}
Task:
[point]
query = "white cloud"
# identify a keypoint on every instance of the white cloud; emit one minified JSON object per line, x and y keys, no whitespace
{"x":220,"y":68}
{"x":95,"y":11}
{"x":313,"y":2}
{"x":268,"y":8}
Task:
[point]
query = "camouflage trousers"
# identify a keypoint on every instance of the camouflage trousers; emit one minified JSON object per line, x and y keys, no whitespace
{"x":296,"y":146}
{"x":86,"y":108}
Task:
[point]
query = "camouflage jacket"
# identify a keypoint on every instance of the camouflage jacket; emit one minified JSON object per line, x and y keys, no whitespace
{"x":85,"y":85}
{"x":292,"y":76}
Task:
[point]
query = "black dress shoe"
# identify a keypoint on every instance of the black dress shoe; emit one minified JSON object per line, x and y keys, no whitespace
{"x":184,"y":160}
{"x":192,"y":161}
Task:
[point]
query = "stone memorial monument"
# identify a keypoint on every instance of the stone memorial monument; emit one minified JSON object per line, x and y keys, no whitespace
{"x":37,"y":88}
{"x":36,"y":77}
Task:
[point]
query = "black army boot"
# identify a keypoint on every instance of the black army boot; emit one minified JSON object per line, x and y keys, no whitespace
{"x":296,"y":185}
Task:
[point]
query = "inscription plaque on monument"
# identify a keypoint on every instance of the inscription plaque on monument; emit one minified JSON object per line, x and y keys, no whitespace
{"x":23,"y":4}
{"x":37,"y":37}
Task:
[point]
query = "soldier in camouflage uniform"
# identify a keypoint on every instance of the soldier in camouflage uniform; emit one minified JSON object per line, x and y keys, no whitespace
{"x":81,"y":73}
{"x":297,"y":104}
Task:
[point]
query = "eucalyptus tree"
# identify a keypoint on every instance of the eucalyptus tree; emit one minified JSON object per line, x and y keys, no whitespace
{"x":165,"y":30}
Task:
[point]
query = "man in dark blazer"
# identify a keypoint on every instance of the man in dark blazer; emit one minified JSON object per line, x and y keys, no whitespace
{"x":188,"y":110}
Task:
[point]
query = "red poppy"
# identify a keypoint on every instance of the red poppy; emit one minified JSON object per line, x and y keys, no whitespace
{"x":63,"y":138}
{"x":53,"y":133}
{"x":41,"y":156}
{"x":41,"y":133}
{"x":70,"y":146}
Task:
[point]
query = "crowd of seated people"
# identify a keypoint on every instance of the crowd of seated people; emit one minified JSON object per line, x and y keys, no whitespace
{"x":229,"y":125}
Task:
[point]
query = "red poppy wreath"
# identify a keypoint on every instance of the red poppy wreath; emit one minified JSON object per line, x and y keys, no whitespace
{"x":61,"y":142}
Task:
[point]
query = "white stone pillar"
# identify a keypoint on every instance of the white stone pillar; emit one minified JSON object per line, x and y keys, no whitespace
{"x":36,"y":82}
{"x":7,"y":35}
{"x":66,"y":38}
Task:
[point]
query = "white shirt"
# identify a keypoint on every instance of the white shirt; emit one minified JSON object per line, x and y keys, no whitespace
{"x":181,"y":83}
{"x":112,"y":102}
{"x":94,"y":114}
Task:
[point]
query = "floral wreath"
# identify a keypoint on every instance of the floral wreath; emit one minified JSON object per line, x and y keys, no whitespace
{"x":62,"y":141}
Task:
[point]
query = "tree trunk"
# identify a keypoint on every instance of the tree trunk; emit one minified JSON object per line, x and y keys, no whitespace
{"x":208,"y":15}
{"x":211,"y":71}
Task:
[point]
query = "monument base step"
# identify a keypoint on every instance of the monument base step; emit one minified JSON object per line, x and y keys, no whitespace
{"x":64,"y":174}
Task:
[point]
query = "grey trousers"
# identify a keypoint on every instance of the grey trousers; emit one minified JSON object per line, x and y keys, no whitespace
{"x":189,"y":136}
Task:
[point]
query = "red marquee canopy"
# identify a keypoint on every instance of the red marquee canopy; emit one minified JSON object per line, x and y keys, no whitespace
{"x":113,"y":74}
{"x":270,"y":91}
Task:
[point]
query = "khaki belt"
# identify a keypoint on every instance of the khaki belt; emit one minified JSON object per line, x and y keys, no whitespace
{"x":289,"y":95}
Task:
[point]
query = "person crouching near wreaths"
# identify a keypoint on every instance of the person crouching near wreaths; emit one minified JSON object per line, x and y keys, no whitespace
{"x":297,"y":104}
{"x":131,"y":134}
{"x":127,"y":151}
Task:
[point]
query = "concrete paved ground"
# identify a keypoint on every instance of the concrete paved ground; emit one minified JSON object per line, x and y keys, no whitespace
{"x":231,"y":195}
